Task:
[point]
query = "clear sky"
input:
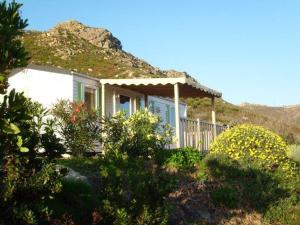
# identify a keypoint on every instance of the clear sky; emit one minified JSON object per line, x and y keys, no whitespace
{"x":247,"y":49}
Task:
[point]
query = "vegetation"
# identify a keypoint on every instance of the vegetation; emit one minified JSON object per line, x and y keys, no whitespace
{"x":248,"y":186}
{"x":134,"y":189}
{"x":141,"y":134}
{"x":12,"y":53}
{"x":255,"y":144}
{"x":27,"y":176}
{"x":78,"y":127}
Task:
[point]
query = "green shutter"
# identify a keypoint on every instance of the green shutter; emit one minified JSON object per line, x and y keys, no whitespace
{"x":80,"y":92}
{"x":98,"y":100}
{"x":167,"y":113}
{"x":172,"y":116}
{"x":151,"y":106}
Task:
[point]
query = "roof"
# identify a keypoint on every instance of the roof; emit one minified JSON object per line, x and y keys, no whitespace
{"x":188,"y":87}
{"x":52,"y":69}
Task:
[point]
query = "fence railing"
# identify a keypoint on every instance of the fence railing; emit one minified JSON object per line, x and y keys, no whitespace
{"x":198,"y":134}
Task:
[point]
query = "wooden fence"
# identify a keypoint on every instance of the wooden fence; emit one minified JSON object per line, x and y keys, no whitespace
{"x":198,"y":134}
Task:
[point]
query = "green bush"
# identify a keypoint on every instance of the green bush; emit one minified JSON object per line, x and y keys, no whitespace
{"x":132,"y":190}
{"x":225,"y":196}
{"x":27,"y":175}
{"x":255,"y":144}
{"x":77,"y":199}
{"x":79,"y":127}
{"x":184,"y":158}
{"x":141,"y":134}
{"x":248,"y":186}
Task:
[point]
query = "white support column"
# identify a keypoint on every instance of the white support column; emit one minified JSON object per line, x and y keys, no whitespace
{"x":114,"y":102}
{"x":103,"y":100}
{"x":177,"y":115}
{"x":213,"y":117}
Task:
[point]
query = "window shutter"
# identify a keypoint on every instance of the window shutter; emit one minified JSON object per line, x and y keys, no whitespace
{"x":98,"y":100}
{"x":167,"y":113}
{"x":80,"y":92}
{"x":172,"y":115}
{"x":151,"y":106}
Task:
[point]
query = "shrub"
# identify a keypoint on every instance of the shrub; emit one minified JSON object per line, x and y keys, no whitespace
{"x":27,"y":177}
{"x":132,"y":191}
{"x":141,"y":134}
{"x":251,"y":188}
{"x":254,"y":144}
{"x":184,"y":158}
{"x":79,"y":127}
{"x":225,"y":196}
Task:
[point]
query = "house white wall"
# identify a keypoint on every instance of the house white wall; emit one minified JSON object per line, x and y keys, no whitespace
{"x":43,"y":86}
{"x":164,"y":106}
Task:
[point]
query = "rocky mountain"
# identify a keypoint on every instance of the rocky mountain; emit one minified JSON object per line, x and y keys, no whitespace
{"x":95,"y":51}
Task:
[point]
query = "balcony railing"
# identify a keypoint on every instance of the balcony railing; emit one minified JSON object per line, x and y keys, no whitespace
{"x":198,"y":134}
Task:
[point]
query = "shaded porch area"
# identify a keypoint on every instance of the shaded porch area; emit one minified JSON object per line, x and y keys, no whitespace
{"x":193,"y":133}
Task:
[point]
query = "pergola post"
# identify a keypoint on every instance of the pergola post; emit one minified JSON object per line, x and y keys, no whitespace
{"x":213,"y":117}
{"x":103,"y":100}
{"x":114,"y":102}
{"x":177,"y":115}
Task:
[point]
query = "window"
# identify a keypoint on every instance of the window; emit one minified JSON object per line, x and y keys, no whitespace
{"x":90,"y":98}
{"x":140,"y":104}
{"x":125,"y":104}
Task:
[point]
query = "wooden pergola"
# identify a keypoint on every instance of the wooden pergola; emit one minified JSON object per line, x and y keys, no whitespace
{"x":166,"y":87}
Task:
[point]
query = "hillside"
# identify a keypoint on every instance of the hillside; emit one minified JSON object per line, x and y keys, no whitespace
{"x":283,"y":120}
{"x":95,"y":51}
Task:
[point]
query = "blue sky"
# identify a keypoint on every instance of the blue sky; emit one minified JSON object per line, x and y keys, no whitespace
{"x":247,"y":49}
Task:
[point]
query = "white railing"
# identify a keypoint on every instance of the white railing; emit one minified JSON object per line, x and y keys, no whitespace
{"x":198,"y":134}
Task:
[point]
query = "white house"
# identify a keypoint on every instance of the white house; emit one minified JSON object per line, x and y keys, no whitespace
{"x":47,"y":85}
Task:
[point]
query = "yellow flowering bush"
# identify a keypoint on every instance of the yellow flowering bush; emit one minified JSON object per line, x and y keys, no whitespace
{"x":256,"y":144}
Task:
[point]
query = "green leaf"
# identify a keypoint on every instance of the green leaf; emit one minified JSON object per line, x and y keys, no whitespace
{"x":24,"y":149}
{"x":20,"y":141}
{"x":14,"y":128}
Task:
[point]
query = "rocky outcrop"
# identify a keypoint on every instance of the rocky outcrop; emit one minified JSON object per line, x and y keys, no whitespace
{"x":94,"y":51}
{"x":96,"y":36}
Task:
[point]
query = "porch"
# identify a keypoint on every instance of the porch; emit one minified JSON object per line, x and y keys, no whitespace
{"x":193,"y":133}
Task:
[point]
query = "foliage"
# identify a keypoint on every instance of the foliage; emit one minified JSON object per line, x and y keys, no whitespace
{"x":133,"y":190}
{"x":294,"y":152}
{"x":254,"y":143}
{"x":246,"y":185}
{"x":286,"y":211}
{"x":80,"y":128}
{"x":141,"y":134}
{"x":77,"y":199}
{"x":226,"y":196}
{"x":184,"y":158}
{"x":27,"y":176}
{"x":12,"y":53}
